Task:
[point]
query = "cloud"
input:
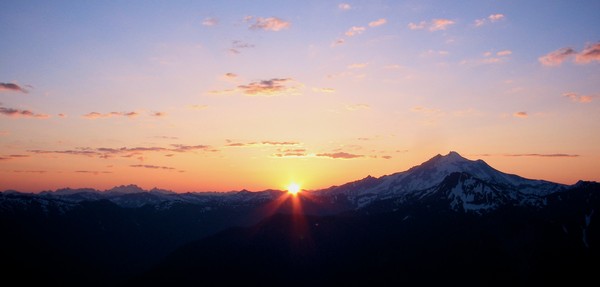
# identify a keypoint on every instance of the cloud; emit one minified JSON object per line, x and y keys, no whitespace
{"x":166,"y":137}
{"x":480,"y":22}
{"x":300,"y":152}
{"x":504,"y":53}
{"x":496,"y":17}
{"x":433,"y":25}
{"x":11,"y":87}
{"x":440,"y":24}
{"x":96,"y":115}
{"x":237,"y":45}
{"x":268,"y":24}
{"x":17,"y":113}
{"x":324,"y":90}
{"x":94,"y":172}
{"x":210,"y":22}
{"x":355,"y":30}
{"x":386,"y":156}
{"x":542,"y":155}
{"x":492,"y":18}
{"x":272,"y":87}
{"x":522,"y":115}
{"x":358,"y":65}
{"x":158,"y":114}
{"x":589,"y":54}
{"x":231,"y":75}
{"x":30,"y":171}
{"x":557,"y":57}
{"x":13,"y":156}
{"x":339,"y":155}
{"x":337,"y":42}
{"x":344,"y":6}
{"x":578,"y":98}
{"x":357,"y":107}
{"x":378,"y":22}
{"x":152,"y":166}
{"x":262,"y":143}
{"x":104,"y":152}
{"x":421,"y":25}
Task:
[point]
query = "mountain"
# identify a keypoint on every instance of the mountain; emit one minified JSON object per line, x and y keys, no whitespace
{"x":469,"y":185}
{"x":449,"y":220}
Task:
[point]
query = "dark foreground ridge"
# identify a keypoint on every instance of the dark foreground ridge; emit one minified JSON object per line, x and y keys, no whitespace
{"x":448,"y":221}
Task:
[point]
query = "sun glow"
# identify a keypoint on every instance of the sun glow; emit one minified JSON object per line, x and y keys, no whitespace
{"x":293,"y":188}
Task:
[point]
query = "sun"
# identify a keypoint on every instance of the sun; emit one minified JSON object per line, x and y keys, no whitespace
{"x":293,"y":188}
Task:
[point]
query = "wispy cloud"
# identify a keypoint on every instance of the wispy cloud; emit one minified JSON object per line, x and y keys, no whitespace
{"x":578,"y":98}
{"x":231,"y":143}
{"x":104,"y":152}
{"x":340,"y":155}
{"x":299,"y":152}
{"x":492,"y":18}
{"x":324,"y":90}
{"x":433,"y":25}
{"x":378,"y":22}
{"x":522,"y":115}
{"x":338,"y":42}
{"x":11,"y":87}
{"x":152,"y":166}
{"x":210,"y":21}
{"x":96,"y":115}
{"x":158,"y":114}
{"x":237,"y":46}
{"x":542,"y":155}
{"x":355,"y":30}
{"x":356,"y":107}
{"x":590,"y":53}
{"x":94,"y":172}
{"x":344,"y":6}
{"x":13,"y":156}
{"x":272,"y":87}
{"x":17,"y":113}
{"x":230,"y":76}
{"x":504,"y":53}
{"x":557,"y":57}
{"x":358,"y":65}
{"x":267,"y":24}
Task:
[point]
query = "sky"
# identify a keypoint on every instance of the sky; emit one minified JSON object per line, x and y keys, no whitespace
{"x":231,"y":95}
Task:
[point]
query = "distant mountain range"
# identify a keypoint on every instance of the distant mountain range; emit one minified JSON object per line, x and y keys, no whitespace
{"x":445,"y":217}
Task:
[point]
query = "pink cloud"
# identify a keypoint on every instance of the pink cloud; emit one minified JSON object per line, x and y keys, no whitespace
{"x":17,"y":113}
{"x":210,"y":22}
{"x":11,"y":87}
{"x":504,"y":53}
{"x":440,"y":24}
{"x":355,"y":30}
{"x":433,"y":25}
{"x":344,"y":6}
{"x":557,"y":57}
{"x":496,"y":17}
{"x":578,"y":98}
{"x":269,"y":24}
{"x":340,"y":155}
{"x":272,"y":87}
{"x":522,"y":115}
{"x":589,"y":54}
{"x":96,"y":115}
{"x":378,"y":22}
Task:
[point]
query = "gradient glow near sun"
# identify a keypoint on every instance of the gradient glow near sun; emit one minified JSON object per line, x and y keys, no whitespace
{"x":293,"y":188}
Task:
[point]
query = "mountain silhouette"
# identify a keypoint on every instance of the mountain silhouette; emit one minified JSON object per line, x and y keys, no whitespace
{"x":450,"y":221}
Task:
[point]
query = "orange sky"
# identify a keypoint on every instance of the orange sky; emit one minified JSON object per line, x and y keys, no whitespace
{"x":228,"y":95}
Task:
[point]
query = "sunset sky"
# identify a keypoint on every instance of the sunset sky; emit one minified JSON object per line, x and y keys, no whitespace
{"x":227,"y":95}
